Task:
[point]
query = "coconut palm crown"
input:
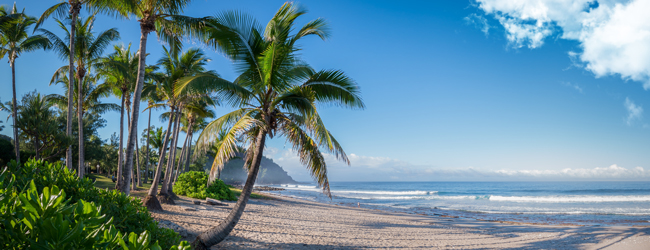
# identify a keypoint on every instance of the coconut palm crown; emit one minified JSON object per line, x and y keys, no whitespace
{"x":277,"y":95}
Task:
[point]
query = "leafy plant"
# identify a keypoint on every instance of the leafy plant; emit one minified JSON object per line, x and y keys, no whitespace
{"x":193,"y":184}
{"x":127,"y":215}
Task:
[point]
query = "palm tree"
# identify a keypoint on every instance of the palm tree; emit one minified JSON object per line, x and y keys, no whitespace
{"x":14,"y":40}
{"x":195,"y":114}
{"x":162,"y":17}
{"x":90,"y":99}
{"x":277,"y":95}
{"x":120,"y":72}
{"x":87,"y":52}
{"x":174,"y":67}
{"x":149,"y":94}
{"x":71,"y":9}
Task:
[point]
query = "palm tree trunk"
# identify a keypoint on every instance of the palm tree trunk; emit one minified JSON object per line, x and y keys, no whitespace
{"x":129,"y":171}
{"x":170,"y":161}
{"x":133,"y":127}
{"x":120,"y":158}
{"x":218,"y":233}
{"x":180,"y":159}
{"x":74,"y":12}
{"x":137,"y":162}
{"x":81,"y":126}
{"x":146,"y":161}
{"x":189,"y":151}
{"x":151,"y":202}
{"x":15,"y":109}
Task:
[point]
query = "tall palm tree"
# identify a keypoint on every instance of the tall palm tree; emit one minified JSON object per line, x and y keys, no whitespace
{"x":92,"y":92}
{"x":162,"y":17}
{"x":120,"y":72}
{"x":277,"y":95}
{"x":71,"y":9}
{"x":87,"y":52}
{"x":14,"y":40}
{"x":174,"y":67}
{"x":149,"y":94}
{"x":195,"y":114}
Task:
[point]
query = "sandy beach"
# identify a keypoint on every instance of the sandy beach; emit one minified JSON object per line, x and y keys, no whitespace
{"x":286,"y":223}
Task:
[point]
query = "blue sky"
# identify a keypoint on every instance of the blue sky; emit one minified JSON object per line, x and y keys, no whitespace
{"x":455,"y":90}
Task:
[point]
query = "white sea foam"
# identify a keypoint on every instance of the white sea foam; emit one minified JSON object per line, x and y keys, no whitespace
{"x":416,"y":192}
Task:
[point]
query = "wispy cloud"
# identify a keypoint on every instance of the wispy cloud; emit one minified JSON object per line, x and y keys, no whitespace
{"x":614,"y":35}
{"x":479,"y":22}
{"x":372,"y":168}
{"x":574,"y":86}
{"x":634,"y":112}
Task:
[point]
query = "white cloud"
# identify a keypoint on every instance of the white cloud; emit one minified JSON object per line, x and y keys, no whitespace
{"x":614,"y":35}
{"x":611,"y":172}
{"x":634,"y":112}
{"x":479,"y":22}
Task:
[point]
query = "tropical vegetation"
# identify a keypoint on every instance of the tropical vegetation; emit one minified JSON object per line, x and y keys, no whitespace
{"x":276,"y":94}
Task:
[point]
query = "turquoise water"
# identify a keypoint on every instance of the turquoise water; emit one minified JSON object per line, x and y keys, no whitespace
{"x":584,"y":203}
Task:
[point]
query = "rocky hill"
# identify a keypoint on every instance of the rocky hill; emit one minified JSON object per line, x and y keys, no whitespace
{"x":270,"y":172}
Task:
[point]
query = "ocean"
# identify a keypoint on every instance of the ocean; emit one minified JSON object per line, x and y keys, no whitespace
{"x":579,"y":203}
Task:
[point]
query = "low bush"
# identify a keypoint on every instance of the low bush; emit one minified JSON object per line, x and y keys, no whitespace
{"x":193,"y":184}
{"x":126,"y":214}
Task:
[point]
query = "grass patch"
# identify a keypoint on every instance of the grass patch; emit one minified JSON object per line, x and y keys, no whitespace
{"x":104,"y":182}
{"x":254,"y":195}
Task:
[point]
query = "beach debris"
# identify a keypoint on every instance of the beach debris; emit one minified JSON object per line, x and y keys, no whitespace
{"x":197,"y":202}
{"x":188,"y":208}
{"x":173,"y":226}
{"x":214,"y":202}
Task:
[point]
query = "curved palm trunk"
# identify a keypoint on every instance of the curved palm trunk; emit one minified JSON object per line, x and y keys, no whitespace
{"x":151,"y":202}
{"x":80,"y":122}
{"x":118,"y":184}
{"x":146,"y":161}
{"x":74,"y":11}
{"x":133,"y":127}
{"x":15,"y":110}
{"x":164,"y":190}
{"x":218,"y":233}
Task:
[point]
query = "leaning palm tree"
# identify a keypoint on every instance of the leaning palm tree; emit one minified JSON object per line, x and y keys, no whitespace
{"x":71,"y":9}
{"x":15,"y":40}
{"x":87,"y":52}
{"x":162,"y":17}
{"x":277,"y":95}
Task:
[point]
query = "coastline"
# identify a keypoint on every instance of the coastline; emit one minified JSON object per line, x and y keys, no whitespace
{"x":290,"y":223}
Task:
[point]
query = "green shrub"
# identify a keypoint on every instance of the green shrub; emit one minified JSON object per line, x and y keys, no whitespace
{"x":127,"y":213}
{"x":193,"y":184}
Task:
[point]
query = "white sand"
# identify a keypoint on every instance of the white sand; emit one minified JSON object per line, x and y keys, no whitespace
{"x":287,"y":223}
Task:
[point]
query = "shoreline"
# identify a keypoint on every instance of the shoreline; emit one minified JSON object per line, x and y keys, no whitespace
{"x":475,"y":215}
{"x":290,"y":223}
